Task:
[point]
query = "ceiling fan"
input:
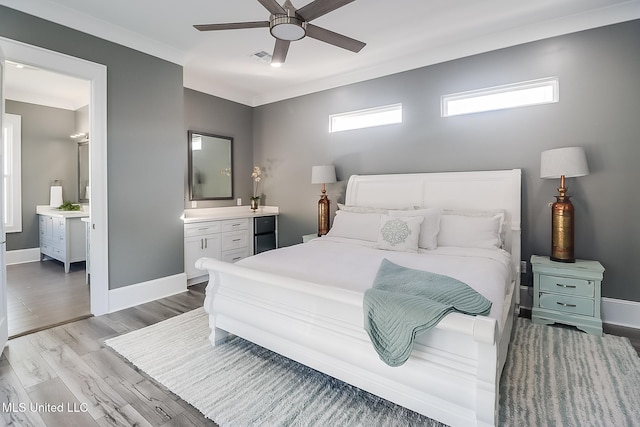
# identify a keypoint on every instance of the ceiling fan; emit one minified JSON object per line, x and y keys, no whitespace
{"x":288,"y":24}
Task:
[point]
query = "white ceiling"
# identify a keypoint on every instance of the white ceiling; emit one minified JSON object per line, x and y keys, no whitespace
{"x":400,"y":35}
{"x":37,"y":86}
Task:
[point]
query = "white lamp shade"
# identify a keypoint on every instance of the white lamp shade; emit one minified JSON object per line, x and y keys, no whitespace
{"x":325,"y":174}
{"x":568,"y":161}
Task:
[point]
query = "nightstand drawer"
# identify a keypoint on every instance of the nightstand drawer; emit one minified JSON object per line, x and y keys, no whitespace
{"x":567,"y":304}
{"x":567,"y":285}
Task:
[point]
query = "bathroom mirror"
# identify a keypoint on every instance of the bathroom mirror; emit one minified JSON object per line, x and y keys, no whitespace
{"x":210,"y":161}
{"x":83,"y":172}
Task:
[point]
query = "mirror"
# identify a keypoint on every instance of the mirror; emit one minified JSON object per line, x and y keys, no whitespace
{"x":210,"y":161}
{"x":83,"y":172}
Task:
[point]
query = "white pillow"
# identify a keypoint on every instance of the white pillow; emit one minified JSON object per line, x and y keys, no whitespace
{"x":476,"y":212}
{"x":352,"y":225}
{"x":367,"y":209}
{"x":361,"y":209}
{"x":470,"y":231}
{"x":430,"y":226}
{"x":399,"y":233}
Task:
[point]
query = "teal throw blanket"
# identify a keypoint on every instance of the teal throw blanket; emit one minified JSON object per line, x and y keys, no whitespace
{"x":404,"y":301}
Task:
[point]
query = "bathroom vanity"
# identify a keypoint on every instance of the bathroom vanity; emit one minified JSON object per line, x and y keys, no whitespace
{"x":62,"y":235}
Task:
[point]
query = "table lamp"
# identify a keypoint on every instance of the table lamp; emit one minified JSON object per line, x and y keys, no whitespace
{"x":563,"y":163}
{"x":325,"y":174}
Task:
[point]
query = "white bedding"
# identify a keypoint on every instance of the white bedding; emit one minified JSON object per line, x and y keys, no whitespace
{"x":352,"y":265}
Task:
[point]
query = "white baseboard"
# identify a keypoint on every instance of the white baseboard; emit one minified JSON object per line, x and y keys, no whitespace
{"x":21,"y":256}
{"x":140,"y":293}
{"x":620,"y":312}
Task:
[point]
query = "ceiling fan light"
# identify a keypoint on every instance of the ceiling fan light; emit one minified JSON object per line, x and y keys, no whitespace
{"x":287,"y":28}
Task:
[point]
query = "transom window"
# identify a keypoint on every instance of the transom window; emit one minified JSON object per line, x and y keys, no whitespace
{"x":378,"y":116}
{"x":532,"y":92}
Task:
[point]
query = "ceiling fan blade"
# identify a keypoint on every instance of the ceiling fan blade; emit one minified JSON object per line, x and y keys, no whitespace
{"x":318,"y":8}
{"x":232,"y":26}
{"x":273,"y":6}
{"x":280,"y":51}
{"x":335,"y":39}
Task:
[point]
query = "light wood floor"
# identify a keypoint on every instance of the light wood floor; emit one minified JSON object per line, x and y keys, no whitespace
{"x":41,"y":294}
{"x":70,"y":365}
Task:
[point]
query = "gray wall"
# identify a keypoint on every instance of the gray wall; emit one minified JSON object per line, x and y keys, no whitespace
{"x":47,"y":154}
{"x":210,"y":114}
{"x":599,"y":73}
{"x":145,"y":147}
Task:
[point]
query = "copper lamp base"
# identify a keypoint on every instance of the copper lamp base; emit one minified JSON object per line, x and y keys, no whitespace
{"x":324,"y":207}
{"x":562,"y":233}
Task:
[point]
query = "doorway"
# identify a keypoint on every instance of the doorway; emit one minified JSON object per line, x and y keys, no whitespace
{"x":49,"y":117}
{"x":96,"y":75}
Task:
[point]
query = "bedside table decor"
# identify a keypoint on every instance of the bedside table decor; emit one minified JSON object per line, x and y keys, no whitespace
{"x":562,"y":163}
{"x":567,"y":293}
{"x":325,"y":174}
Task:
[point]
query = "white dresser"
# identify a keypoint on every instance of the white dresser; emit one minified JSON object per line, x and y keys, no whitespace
{"x":62,"y":235}
{"x":228,"y":234}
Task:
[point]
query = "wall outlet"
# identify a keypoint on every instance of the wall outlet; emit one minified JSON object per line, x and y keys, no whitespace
{"x":194,"y":204}
{"x":523,"y":267}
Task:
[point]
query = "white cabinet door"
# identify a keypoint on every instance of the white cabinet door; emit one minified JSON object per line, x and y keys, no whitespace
{"x":197,"y":247}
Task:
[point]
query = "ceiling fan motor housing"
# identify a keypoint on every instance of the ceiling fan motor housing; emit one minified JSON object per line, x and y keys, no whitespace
{"x":289,"y":28}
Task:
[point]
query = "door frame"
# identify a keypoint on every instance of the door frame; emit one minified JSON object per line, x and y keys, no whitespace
{"x":4,"y":313}
{"x":96,"y":74}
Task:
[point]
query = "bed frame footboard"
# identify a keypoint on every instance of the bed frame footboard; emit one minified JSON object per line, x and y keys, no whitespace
{"x":453,"y":380}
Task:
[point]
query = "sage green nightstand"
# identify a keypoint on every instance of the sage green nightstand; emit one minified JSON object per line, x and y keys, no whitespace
{"x":567,"y":293}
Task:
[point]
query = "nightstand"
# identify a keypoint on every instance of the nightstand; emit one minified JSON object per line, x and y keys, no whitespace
{"x":309,"y":237}
{"x":567,"y":293}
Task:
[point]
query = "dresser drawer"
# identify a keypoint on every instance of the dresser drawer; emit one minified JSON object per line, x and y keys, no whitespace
{"x":235,"y":224}
{"x":235,"y":255}
{"x":234,"y":240}
{"x":202,"y":228}
{"x":567,"y":304}
{"x":567,"y":285}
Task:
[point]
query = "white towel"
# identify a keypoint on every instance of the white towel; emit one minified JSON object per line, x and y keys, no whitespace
{"x":56,"y":196}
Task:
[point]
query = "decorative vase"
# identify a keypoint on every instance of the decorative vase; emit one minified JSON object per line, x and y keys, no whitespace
{"x":255,"y":201}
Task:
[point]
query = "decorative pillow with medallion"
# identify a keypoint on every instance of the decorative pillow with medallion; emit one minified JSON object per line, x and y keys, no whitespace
{"x":400,"y":233}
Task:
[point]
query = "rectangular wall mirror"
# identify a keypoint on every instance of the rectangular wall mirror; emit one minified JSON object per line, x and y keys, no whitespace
{"x":210,"y":166}
{"x":83,"y":172}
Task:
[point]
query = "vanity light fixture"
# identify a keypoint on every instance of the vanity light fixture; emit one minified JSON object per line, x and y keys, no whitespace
{"x":80,"y":135}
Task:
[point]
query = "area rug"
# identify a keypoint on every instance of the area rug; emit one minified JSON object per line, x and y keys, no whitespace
{"x":553,"y":376}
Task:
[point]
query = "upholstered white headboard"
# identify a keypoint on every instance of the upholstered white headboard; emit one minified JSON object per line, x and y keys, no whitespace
{"x":484,"y":190}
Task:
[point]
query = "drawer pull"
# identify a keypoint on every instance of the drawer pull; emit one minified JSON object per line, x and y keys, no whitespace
{"x":565,"y":304}
{"x":236,"y":240}
{"x":237,"y":258}
{"x":562,"y":285}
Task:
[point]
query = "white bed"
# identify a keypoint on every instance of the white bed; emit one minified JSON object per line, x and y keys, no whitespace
{"x":305,"y":301}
